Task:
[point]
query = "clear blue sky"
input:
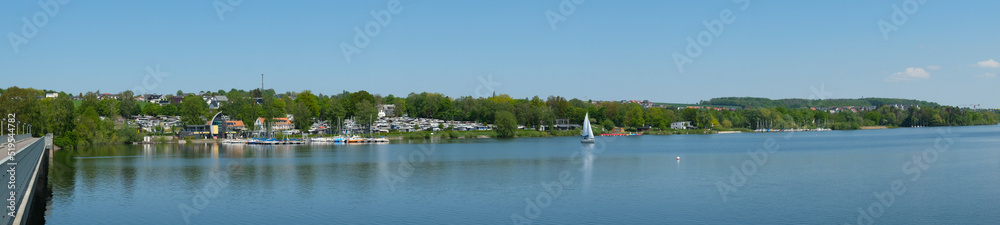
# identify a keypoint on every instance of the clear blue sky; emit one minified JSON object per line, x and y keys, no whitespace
{"x":604,"y":50}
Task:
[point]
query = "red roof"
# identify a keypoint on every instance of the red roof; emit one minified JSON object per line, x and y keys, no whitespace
{"x":283,"y":120}
{"x":234,"y":123}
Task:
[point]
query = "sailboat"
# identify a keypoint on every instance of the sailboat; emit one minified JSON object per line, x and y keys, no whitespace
{"x":588,"y":134}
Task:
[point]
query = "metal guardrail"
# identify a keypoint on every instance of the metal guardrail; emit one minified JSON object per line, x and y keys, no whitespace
{"x":20,"y":174}
{"x":21,"y":137}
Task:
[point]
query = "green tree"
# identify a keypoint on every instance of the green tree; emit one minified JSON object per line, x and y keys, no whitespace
{"x":169,"y":110}
{"x":936,"y":120}
{"x":506,"y":124}
{"x":287,"y":99}
{"x":128,"y":107}
{"x":559,"y":106}
{"x":193,"y":108}
{"x":415,"y":104}
{"x":389,"y":99}
{"x":657,"y":117}
{"x":634,"y":116}
{"x":23,"y":102}
{"x":400,"y":104}
{"x":335,"y":111}
{"x":272,"y":108}
{"x":443,"y":109}
{"x":277,"y":108}
{"x":151,"y":109}
{"x":307,"y":99}
{"x":87,"y":126}
{"x":248,"y":113}
{"x":67,"y":140}
{"x":365,"y":111}
{"x":236,"y":102}
{"x":689,"y":114}
{"x":302,"y":115}
{"x":127,"y":134}
{"x":92,"y":130}
{"x":108,"y":107}
{"x":872,"y":118}
{"x":56,"y":115}
{"x":704,"y":119}
{"x":89,"y":102}
{"x":608,"y":124}
{"x":65,"y":112}
{"x":351,"y":104}
{"x":715,"y":123}
{"x":821,"y":116}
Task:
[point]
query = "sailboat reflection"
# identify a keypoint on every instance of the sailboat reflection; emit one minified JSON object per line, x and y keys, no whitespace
{"x":588,"y":166}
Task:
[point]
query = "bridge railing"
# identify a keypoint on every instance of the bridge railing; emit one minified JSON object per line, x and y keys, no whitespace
{"x":21,"y":137}
{"x":18,"y":174}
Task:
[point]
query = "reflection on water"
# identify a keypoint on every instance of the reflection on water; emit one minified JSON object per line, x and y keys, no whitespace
{"x":588,"y":165}
{"x":814,"y":178}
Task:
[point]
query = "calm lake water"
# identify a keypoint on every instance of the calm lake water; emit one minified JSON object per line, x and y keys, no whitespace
{"x":832,"y":177}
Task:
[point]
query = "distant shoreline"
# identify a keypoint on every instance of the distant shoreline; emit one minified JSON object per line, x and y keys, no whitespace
{"x":480,"y":136}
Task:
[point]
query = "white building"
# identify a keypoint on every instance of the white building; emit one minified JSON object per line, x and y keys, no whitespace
{"x":386,"y":110}
{"x":680,"y":125}
{"x":214,"y":102}
{"x":278,"y":124}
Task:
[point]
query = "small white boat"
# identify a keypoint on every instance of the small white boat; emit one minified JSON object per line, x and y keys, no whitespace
{"x":587,"y":133}
{"x":234,"y":141}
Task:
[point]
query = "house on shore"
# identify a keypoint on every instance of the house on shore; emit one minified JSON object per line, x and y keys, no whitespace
{"x":277,"y":124}
{"x":681,"y":125}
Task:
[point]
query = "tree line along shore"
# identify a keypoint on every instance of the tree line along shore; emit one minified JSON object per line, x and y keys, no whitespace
{"x":95,"y":119}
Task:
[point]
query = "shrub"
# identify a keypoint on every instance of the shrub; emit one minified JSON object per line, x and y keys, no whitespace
{"x":506,"y":124}
{"x":67,"y":140}
{"x":128,"y":135}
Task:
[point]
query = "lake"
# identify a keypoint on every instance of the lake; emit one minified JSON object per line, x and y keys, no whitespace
{"x":898,"y":176}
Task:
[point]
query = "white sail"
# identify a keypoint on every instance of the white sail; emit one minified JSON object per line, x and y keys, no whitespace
{"x":587,"y":132}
